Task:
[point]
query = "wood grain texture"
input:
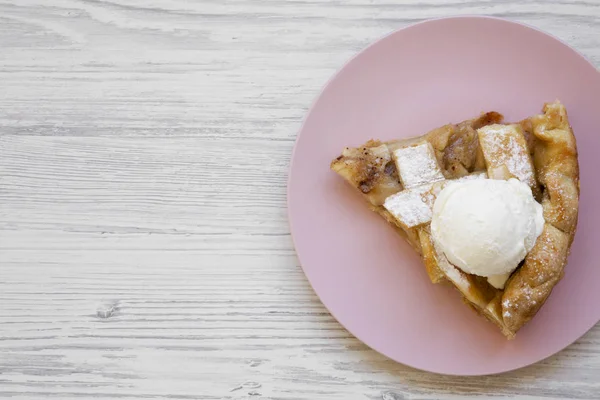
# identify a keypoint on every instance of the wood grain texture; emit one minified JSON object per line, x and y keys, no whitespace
{"x":144,"y":245}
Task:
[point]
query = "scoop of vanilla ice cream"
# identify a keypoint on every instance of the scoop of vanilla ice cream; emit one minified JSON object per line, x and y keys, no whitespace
{"x":486,"y":227}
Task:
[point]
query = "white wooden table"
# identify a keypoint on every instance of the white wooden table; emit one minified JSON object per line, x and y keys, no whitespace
{"x":144,"y":245}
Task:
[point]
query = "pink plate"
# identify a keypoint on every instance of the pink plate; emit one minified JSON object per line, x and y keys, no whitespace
{"x":416,"y":79}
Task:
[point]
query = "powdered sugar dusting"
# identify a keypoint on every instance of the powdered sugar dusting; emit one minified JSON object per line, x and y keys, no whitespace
{"x":417,"y":165}
{"x":506,"y":305}
{"x":411,"y":207}
{"x":505,"y":146}
{"x":525,"y":300}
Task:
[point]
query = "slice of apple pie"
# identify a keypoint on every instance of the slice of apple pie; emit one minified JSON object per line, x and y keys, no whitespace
{"x":490,"y":207}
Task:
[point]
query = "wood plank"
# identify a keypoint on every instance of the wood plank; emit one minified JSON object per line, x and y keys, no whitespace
{"x":129,"y":272}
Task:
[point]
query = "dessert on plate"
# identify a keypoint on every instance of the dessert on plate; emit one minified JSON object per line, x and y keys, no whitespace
{"x":491,"y":207}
